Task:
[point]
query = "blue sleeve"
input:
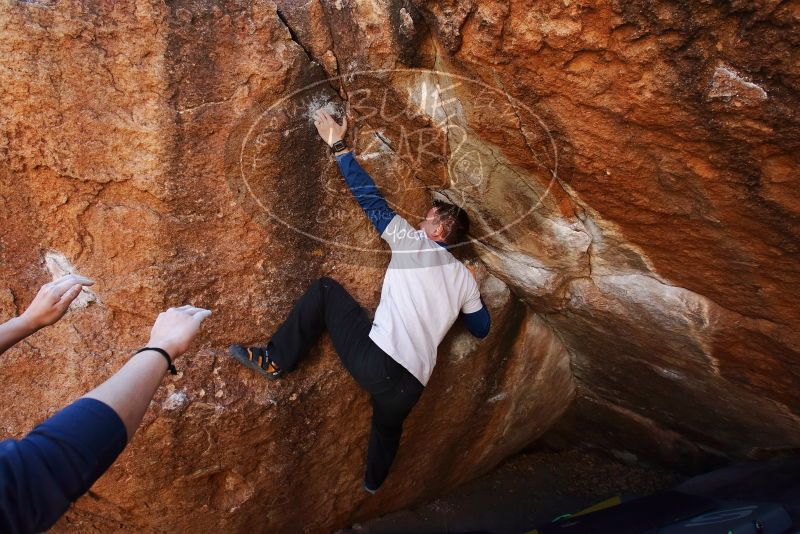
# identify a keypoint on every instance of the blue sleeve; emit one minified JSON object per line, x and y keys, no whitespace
{"x":43,"y":473}
{"x":478,"y":323}
{"x":365,"y":191}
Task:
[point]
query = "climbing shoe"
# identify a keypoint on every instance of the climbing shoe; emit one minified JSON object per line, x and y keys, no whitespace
{"x":256,"y":358}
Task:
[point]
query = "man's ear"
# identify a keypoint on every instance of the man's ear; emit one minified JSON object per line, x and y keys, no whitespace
{"x":440,"y":232}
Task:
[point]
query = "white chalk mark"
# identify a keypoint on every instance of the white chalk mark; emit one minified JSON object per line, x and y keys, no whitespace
{"x":175,"y":401}
{"x":727,"y":83}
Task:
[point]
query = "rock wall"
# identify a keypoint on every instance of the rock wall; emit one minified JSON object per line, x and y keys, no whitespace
{"x":628,"y":168}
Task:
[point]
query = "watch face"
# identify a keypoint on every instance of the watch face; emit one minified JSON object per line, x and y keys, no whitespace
{"x":338,"y":145}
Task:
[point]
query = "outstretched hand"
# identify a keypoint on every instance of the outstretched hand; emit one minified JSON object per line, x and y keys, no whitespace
{"x":330,"y":130}
{"x":175,"y":329}
{"x":131,"y":389}
{"x":52,"y":301}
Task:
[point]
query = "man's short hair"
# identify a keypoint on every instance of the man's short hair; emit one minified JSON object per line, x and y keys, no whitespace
{"x":454,"y":219}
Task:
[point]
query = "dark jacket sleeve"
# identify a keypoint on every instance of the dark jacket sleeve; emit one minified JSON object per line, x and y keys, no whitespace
{"x":43,"y":473}
{"x":366,"y":192}
{"x":478,"y":323}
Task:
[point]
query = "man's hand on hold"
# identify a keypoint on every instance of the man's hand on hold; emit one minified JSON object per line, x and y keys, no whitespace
{"x":330,"y":130}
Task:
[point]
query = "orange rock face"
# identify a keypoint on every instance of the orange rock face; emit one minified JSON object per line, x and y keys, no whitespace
{"x":629,"y":169}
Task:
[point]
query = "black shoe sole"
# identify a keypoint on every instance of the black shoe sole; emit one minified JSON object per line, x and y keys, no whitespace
{"x":241,"y":355}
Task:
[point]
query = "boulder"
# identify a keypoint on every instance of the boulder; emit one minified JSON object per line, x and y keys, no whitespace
{"x":628,"y":168}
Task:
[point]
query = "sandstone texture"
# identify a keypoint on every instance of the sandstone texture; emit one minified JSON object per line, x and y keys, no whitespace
{"x":630,"y":172}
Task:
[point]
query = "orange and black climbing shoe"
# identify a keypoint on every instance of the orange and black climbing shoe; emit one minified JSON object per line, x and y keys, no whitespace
{"x":256,"y":358}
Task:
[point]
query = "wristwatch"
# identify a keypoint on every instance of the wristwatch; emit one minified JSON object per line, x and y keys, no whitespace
{"x":338,"y":146}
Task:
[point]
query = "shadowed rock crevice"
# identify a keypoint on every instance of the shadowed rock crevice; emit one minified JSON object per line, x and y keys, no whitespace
{"x":293,"y":34}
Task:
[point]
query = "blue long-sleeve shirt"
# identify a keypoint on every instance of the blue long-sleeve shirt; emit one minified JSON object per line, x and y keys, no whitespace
{"x":478,"y":323}
{"x":43,"y":473}
{"x":366,"y":192}
{"x":380,"y":214}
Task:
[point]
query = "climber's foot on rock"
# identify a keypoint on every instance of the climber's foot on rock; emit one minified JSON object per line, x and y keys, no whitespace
{"x":369,"y":490}
{"x":256,"y":358}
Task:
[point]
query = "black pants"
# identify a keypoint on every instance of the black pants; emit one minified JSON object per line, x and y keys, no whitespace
{"x":394,"y":390}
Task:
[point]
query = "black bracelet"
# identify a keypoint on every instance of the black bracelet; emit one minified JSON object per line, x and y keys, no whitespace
{"x":170,"y":367}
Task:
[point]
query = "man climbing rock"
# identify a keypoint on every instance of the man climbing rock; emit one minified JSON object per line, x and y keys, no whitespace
{"x":424,"y":290}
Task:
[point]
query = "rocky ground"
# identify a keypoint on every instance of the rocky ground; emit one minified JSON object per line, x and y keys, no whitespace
{"x":528,"y":490}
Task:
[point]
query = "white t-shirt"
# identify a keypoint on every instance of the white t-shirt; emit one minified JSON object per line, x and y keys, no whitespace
{"x":424,"y":289}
